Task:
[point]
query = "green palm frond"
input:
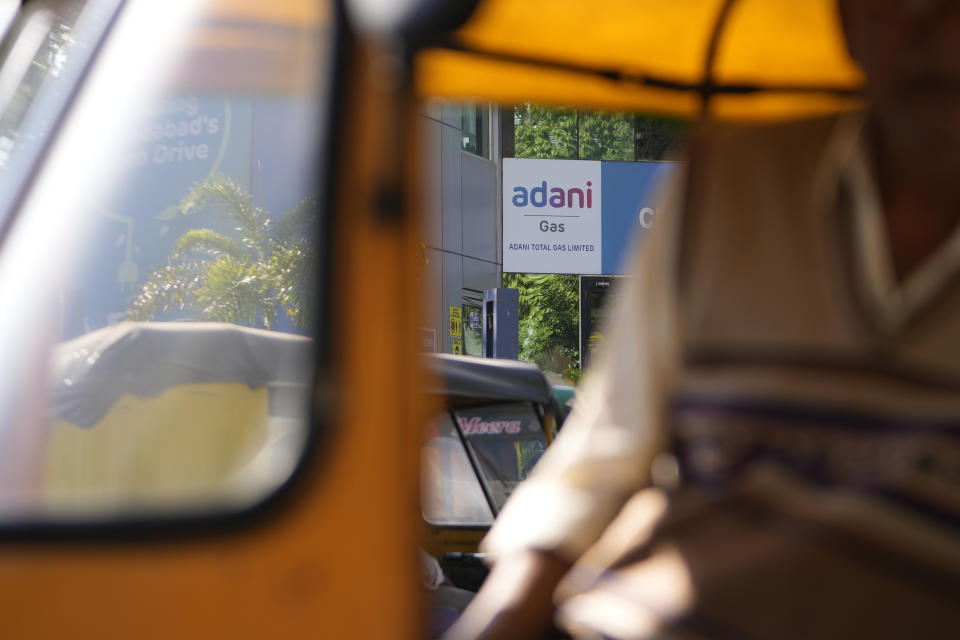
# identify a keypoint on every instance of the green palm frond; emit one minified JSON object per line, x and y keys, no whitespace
{"x":206,"y":241}
{"x":168,"y":288}
{"x":528,"y":454}
{"x":293,"y":268}
{"x":239,"y":292}
{"x":297,"y":223}
{"x":234,"y":202}
{"x":250,"y":278}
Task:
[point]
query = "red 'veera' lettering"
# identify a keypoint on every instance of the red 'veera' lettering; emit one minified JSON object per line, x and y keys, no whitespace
{"x":476,"y":426}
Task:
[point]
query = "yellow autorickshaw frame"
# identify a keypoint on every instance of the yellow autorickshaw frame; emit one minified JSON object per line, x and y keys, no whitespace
{"x":336,"y":556}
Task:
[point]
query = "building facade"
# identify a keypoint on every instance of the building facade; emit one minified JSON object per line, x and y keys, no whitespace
{"x":461,"y":235}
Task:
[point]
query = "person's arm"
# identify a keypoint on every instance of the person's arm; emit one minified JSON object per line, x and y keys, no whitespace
{"x":600,"y":458}
{"x":516,"y":601}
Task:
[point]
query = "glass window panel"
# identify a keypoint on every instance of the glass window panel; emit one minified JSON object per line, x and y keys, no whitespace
{"x":450,"y":492}
{"x":171,"y":269}
{"x":472,"y":330}
{"x":507,"y":440}
{"x":474,"y":121}
{"x":47,"y":49}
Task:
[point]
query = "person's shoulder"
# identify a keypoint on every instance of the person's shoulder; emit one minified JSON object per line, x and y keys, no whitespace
{"x":769,"y":144}
{"x":804,"y":131}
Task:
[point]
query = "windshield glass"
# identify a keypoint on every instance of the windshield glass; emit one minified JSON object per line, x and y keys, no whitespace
{"x":48,"y":47}
{"x":169,"y":252}
{"x":450,"y":491}
{"x":506,"y":441}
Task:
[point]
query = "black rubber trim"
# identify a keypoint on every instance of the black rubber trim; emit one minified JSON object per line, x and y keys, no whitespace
{"x":191,"y":528}
{"x":430,"y":17}
{"x":438,"y":527}
{"x":709,"y":63}
{"x":475,"y":465}
{"x":642,"y":79}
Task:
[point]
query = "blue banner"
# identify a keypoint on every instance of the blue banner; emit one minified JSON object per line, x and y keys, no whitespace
{"x":629,"y":193}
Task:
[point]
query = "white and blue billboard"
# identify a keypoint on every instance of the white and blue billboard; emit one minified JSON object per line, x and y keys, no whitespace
{"x":576,"y":216}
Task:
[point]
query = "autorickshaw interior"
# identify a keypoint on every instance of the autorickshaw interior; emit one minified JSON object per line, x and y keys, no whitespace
{"x":228,"y":232}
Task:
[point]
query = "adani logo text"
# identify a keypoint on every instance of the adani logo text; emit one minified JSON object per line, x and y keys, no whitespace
{"x":555,"y":197}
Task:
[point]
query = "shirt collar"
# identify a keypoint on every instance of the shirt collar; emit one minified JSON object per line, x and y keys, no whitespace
{"x":847,"y":163}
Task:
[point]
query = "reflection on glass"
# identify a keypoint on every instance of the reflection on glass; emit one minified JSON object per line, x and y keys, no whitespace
{"x":213,"y":220}
{"x":450,"y":492}
{"x":472,"y":330}
{"x":506,"y":441}
{"x":474,"y":123}
{"x":179,"y":414}
{"x":183,"y":307}
{"x":48,"y":47}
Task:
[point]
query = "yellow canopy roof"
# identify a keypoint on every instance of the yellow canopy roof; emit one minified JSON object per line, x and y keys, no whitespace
{"x":747,"y":59}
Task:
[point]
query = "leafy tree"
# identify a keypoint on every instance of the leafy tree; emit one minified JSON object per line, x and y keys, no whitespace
{"x":244,"y":279}
{"x":549,"y":317}
{"x":550,"y":132}
{"x":544,"y":132}
{"x":655,"y":137}
{"x":549,"y":304}
{"x":606,"y":136}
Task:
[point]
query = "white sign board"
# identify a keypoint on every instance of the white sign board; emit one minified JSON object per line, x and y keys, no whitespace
{"x":551,"y":216}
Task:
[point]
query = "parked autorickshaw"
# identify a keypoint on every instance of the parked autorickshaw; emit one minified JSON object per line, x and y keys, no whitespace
{"x":498,"y":418}
{"x":494,"y":421}
{"x":151,"y":413}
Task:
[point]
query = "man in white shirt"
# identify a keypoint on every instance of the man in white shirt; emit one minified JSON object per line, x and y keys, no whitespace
{"x":786,"y":363}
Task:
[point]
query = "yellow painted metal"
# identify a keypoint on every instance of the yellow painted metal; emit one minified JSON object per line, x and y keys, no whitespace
{"x":254,"y":46}
{"x":440,"y":540}
{"x":178,"y":449}
{"x":338,"y":559}
{"x":570,"y":52}
{"x":289,"y":12}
